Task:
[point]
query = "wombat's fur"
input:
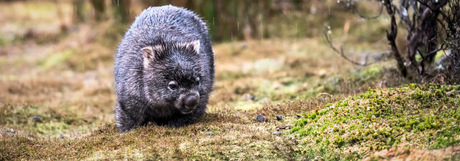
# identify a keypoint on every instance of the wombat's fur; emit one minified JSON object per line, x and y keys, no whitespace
{"x":164,"y":69}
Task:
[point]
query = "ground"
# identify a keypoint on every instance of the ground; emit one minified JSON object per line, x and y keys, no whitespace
{"x":57,"y":98}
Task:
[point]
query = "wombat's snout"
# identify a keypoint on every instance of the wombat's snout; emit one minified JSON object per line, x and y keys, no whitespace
{"x":191,"y":101}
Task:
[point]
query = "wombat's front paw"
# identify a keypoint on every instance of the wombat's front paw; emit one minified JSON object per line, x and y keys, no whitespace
{"x":126,"y":126}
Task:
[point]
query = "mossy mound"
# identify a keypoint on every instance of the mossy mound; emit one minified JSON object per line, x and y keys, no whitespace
{"x":420,"y":116}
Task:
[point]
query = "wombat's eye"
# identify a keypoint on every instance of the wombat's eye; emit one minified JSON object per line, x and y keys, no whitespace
{"x":198,"y":80}
{"x":172,"y":85}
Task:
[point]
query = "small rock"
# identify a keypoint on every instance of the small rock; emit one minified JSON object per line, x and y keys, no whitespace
{"x":209,"y":133}
{"x":62,"y":136}
{"x":277,"y":133}
{"x":37,"y":119}
{"x":249,"y":97}
{"x":283,"y":127}
{"x":298,"y":116}
{"x":10,"y":131}
{"x":279,"y":117}
{"x":260,"y":118}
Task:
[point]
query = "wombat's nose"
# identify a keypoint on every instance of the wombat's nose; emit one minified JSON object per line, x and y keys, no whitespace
{"x":191,"y":101}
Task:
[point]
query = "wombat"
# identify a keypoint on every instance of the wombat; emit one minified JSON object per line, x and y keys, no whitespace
{"x":164,"y":69}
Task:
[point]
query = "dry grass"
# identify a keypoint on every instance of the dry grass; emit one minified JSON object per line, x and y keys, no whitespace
{"x":67,"y":81}
{"x":219,"y":134}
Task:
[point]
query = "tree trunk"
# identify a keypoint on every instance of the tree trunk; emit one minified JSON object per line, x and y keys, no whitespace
{"x":78,"y":12}
{"x":99,"y":9}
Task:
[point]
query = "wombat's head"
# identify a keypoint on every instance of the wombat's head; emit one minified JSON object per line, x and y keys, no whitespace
{"x":172,"y":76}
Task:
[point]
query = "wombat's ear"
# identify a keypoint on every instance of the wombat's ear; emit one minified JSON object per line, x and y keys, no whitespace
{"x":149,"y":53}
{"x":195,"y":45}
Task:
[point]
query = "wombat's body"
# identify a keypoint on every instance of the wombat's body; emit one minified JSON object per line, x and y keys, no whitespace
{"x":164,"y":69}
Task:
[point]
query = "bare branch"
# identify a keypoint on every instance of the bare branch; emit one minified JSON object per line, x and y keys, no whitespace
{"x":404,"y":14}
{"x":431,"y":53}
{"x":356,"y":11}
{"x":391,"y":36}
{"x":342,"y":54}
{"x":441,"y":3}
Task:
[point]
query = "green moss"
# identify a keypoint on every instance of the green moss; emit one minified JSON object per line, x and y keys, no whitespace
{"x":339,"y":141}
{"x":49,"y":121}
{"x":421,"y":111}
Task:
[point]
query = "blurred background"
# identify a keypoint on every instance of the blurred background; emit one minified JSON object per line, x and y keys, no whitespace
{"x":56,"y":56}
{"x":291,"y":58}
{"x":228,"y":20}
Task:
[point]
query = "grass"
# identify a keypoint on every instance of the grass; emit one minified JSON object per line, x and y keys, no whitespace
{"x":221,"y":134}
{"x":418,"y":116}
{"x":57,"y":97}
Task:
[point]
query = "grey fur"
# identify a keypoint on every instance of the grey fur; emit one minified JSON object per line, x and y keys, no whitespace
{"x":159,"y":74}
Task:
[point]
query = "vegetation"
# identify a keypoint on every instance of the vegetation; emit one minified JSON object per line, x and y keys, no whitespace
{"x":430,"y":30}
{"x":420,"y":116}
{"x":57,"y":93}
